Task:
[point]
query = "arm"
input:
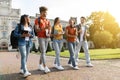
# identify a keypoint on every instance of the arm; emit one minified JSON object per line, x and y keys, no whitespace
{"x":17,"y":32}
{"x":69,"y":35}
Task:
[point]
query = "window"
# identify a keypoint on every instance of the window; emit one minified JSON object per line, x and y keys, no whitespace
{"x":4,"y":34}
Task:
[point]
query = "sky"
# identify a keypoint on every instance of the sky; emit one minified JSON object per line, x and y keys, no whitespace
{"x":68,"y":8}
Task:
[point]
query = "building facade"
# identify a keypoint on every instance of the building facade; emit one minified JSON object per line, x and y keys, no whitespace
{"x":9,"y":18}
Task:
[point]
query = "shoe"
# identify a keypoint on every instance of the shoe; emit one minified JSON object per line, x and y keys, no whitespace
{"x":41,"y":67}
{"x":89,"y":65}
{"x":76,"y":63}
{"x":21,"y":71}
{"x":77,"y":60}
{"x":76,"y":68}
{"x":26,"y":74}
{"x":70,"y":65}
{"x":47,"y":70}
{"x":59,"y":67}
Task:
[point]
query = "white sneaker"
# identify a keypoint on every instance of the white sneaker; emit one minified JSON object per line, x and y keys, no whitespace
{"x":21,"y":71}
{"x":26,"y":74}
{"x":89,"y":65}
{"x":41,"y":67}
{"x":77,"y":60}
{"x":70,"y":65}
{"x":76,"y":68}
{"x":47,"y":70}
{"x":59,"y":67}
{"x":76,"y":63}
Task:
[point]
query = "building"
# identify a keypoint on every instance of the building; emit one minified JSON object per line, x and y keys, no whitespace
{"x":9,"y":18}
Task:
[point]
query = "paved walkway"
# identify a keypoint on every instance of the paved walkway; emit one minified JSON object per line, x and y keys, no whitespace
{"x":102,"y":70}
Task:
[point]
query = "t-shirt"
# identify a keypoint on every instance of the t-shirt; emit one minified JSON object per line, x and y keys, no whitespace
{"x":27,"y":29}
{"x":71,"y":31}
{"x":58,"y":30}
{"x":42,"y":25}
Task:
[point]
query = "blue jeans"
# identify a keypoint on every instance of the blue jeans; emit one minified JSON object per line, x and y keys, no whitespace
{"x":71,"y":48}
{"x":83,"y":44}
{"x":57,"y":44}
{"x":43,"y":43}
{"x":24,"y":51}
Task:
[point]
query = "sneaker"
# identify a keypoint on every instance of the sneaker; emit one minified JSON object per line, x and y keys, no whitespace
{"x":77,"y":60}
{"x":70,"y":65}
{"x":47,"y":70}
{"x":21,"y":71}
{"x":76,"y":68}
{"x":89,"y":65}
{"x":27,"y":74}
{"x":55,"y":65}
{"x":41,"y":67}
{"x":76,"y":63}
{"x":59,"y":67}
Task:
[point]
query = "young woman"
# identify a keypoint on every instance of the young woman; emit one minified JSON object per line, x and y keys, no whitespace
{"x":71,"y":33}
{"x":57,"y":41}
{"x":24,"y":32}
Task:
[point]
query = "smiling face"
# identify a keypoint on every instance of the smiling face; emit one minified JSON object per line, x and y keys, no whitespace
{"x":82,"y":19}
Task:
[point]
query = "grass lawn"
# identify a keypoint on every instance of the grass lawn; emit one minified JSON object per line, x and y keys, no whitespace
{"x":95,"y":54}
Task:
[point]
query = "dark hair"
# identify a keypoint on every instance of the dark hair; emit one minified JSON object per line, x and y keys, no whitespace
{"x":83,"y":17}
{"x":56,"y":19}
{"x":42,"y":8}
{"x":22,"y":19}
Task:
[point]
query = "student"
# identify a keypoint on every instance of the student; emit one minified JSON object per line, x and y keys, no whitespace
{"x":57,"y":41}
{"x":43,"y":29}
{"x":82,"y":31}
{"x":24,"y":42}
{"x":71,"y":33}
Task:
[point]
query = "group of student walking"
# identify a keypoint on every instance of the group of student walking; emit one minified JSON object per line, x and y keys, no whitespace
{"x":76,"y":38}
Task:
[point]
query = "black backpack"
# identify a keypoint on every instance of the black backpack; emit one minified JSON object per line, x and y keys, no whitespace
{"x":34,"y":26}
{"x":13,"y":39}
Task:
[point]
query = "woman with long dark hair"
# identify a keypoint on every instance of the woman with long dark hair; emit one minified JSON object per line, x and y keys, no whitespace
{"x":57,"y":41}
{"x":24,"y":32}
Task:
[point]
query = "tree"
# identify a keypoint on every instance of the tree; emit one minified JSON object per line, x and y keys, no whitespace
{"x":105,"y":21}
{"x":102,"y":39}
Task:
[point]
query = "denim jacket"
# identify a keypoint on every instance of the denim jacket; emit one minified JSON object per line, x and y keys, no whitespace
{"x":21,"y":40}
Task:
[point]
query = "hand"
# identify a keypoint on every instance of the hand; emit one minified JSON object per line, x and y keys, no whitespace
{"x":25,"y":35}
{"x":80,"y":31}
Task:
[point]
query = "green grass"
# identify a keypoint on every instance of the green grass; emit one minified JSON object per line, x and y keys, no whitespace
{"x":95,"y":54}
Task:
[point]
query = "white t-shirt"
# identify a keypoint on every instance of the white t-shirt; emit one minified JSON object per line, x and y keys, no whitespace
{"x":83,"y":31}
{"x":27,"y":29}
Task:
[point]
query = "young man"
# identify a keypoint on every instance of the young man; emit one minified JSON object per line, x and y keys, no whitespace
{"x":82,"y":41}
{"x":42,"y":27}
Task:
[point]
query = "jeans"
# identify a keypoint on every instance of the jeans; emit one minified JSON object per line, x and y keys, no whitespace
{"x":43,"y":43}
{"x":57,"y":44}
{"x":85,"y":48}
{"x":71,"y":48}
{"x":24,"y":51}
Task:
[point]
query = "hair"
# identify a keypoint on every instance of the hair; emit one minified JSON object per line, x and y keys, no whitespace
{"x":56,"y":19}
{"x":71,"y":20}
{"x":83,"y":17}
{"x":23,"y":19}
{"x":42,"y":8}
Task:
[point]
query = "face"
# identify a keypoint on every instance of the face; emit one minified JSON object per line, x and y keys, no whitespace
{"x":44,"y":14}
{"x":82,"y":20}
{"x":71,"y":22}
{"x":58,"y":21}
{"x":27,"y":19}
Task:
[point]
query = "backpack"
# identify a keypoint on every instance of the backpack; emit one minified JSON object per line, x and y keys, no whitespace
{"x":34,"y":26}
{"x":52,"y":33}
{"x":13,"y":39}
